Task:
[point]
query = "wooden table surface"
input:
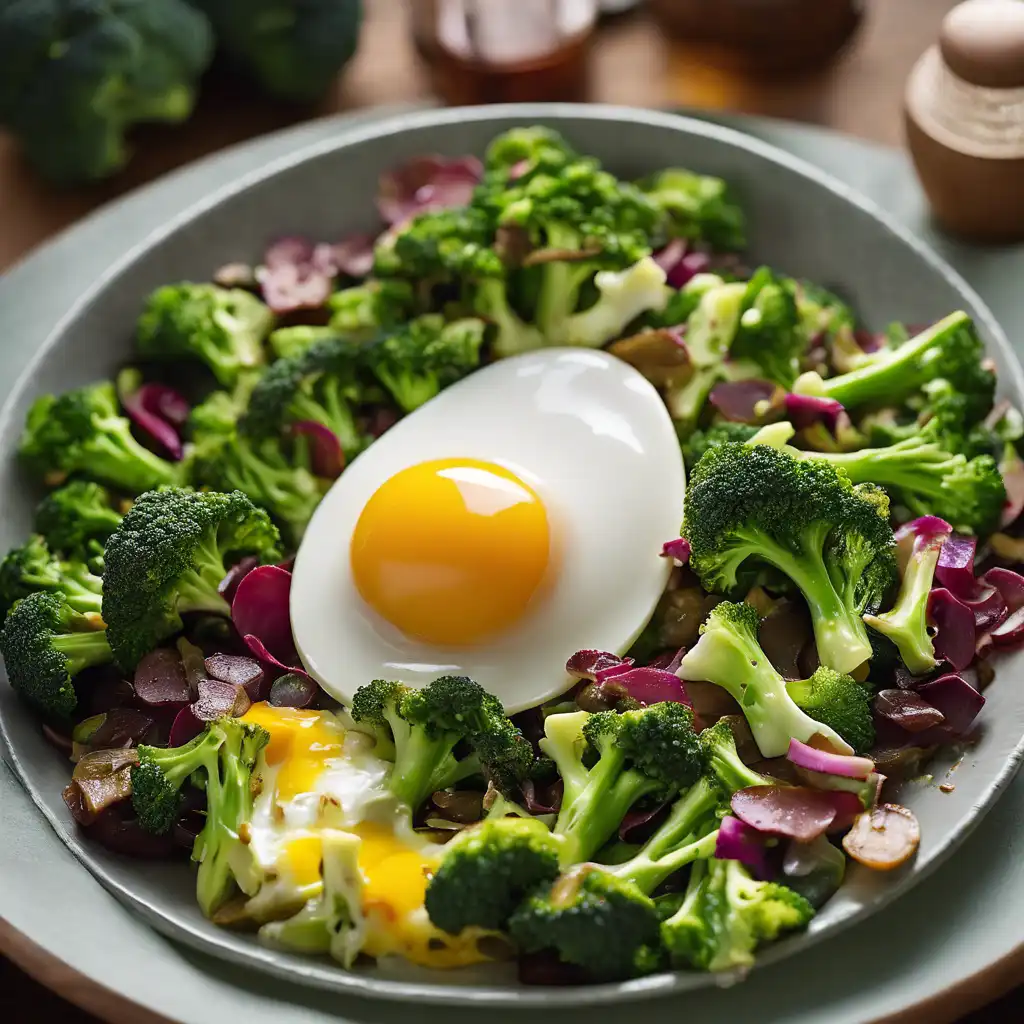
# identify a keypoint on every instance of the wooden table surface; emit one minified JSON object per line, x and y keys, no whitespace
{"x":632,"y":64}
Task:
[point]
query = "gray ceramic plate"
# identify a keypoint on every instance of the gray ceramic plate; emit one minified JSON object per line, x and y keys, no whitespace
{"x":803,"y":222}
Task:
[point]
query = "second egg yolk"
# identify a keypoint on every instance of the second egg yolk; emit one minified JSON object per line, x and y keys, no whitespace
{"x":451,"y":552}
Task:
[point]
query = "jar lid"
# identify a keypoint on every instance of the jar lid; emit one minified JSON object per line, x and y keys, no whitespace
{"x":982,"y":42}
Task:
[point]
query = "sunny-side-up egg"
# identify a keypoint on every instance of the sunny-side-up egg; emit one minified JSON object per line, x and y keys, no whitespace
{"x":315,"y":775}
{"x":514,"y":519}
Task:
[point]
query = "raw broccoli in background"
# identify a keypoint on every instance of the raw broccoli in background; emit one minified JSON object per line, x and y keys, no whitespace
{"x":33,"y":566}
{"x":77,"y":519}
{"x":168,"y":558}
{"x":77,"y":75}
{"x":700,"y":208}
{"x":292,"y":48}
{"x":45,"y":644}
{"x":221,"y":327}
{"x":729,"y":655}
{"x":82,"y":432}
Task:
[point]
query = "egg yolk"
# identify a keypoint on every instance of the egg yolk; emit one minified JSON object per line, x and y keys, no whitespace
{"x":452,"y":551}
{"x":301,"y":742}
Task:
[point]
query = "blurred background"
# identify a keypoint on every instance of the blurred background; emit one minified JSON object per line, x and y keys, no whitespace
{"x":838,"y":63}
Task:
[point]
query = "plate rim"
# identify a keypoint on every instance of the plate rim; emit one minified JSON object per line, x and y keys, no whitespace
{"x":309,"y":972}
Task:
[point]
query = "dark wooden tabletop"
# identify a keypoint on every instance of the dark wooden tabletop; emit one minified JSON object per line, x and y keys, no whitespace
{"x":631,"y":64}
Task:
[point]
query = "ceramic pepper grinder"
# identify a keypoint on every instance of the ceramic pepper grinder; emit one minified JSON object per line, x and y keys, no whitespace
{"x":965,"y":121}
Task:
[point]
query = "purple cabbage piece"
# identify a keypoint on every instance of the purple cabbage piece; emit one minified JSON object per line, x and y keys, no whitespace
{"x":805,"y":411}
{"x":798,"y":812}
{"x":158,"y":411}
{"x":327,"y":460}
{"x":668,"y":660}
{"x":959,"y":702}
{"x":1010,"y":585}
{"x":292,"y":286}
{"x":636,"y":819}
{"x":681,"y":262}
{"x":228,"y":586}
{"x":352,"y":256}
{"x":677,"y":549}
{"x":955,"y":570}
{"x":907,"y":709}
{"x":272,"y":665}
{"x":956,"y":631}
{"x":1010,"y":632}
{"x":427,"y":183}
{"x":738,"y":841}
{"x":738,"y":400}
{"x":596,"y":666}
{"x":648,"y":686}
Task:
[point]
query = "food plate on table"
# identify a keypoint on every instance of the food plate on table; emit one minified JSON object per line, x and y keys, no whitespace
{"x":864,"y":291}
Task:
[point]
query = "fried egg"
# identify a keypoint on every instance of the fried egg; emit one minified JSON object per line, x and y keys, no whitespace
{"x":315,"y":776}
{"x":512,"y":520}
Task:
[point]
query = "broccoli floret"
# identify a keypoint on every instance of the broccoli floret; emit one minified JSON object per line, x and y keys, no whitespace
{"x":225,"y":860}
{"x":652,"y":752}
{"x":45,"y":643}
{"x":753,"y":504}
{"x":839,"y":702}
{"x":699,"y":208}
{"x":529,"y":150}
{"x":770,"y":333}
{"x":321,"y":384}
{"x":330,"y":921}
{"x":292,"y":48}
{"x":592,"y":919}
{"x":906,"y":623}
{"x":369,"y":307}
{"x":83,"y":431}
{"x":160,"y":773}
{"x":168,"y":558}
{"x":419,"y":359}
{"x":77,"y":75}
{"x":929,"y":475}
{"x":289,"y":342}
{"x":224,"y":460}
{"x":223,"y":328}
{"x":487,"y":870}
{"x":950,"y":350}
{"x":822,"y":314}
{"x":419,"y":731}
{"x":34,"y":567}
{"x":728,"y":654}
{"x":726,"y":914}
{"x":77,"y":519}
{"x":697,"y":443}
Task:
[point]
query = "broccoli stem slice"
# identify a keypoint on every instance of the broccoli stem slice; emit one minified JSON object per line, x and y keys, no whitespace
{"x":514,"y":336}
{"x":421,"y":763}
{"x":891,"y":375}
{"x":560,"y":284}
{"x":647,"y":874}
{"x":335,"y":414}
{"x":906,"y":623}
{"x":197,"y":589}
{"x":82,"y":650}
{"x":116,"y":457}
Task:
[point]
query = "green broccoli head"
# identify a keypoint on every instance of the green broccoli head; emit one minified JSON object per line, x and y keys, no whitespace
{"x":437,"y":245}
{"x":698,"y":442}
{"x":727,"y":767}
{"x":486,"y":872}
{"x":222,"y":327}
{"x":770,"y":333}
{"x":728,"y":654}
{"x":322,"y":384}
{"x":838,"y":701}
{"x":367,"y":308}
{"x":34,"y":567}
{"x":292,"y":48}
{"x":699,"y":208}
{"x":726,"y":915}
{"x":749,"y":504}
{"x":76,"y":518}
{"x":592,"y":919}
{"x":83,"y":432}
{"x":168,"y":558}
{"x":45,"y":643}
{"x":528,"y":150}
{"x":420,"y":358}
{"x":160,"y":773}
{"x":79,"y":75}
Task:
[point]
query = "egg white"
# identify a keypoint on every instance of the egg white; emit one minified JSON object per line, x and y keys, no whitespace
{"x":593,"y":438}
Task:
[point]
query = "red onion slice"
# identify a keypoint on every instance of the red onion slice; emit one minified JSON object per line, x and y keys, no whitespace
{"x":959,"y":702}
{"x":955,"y":636}
{"x":352,"y":256}
{"x":596,"y":666}
{"x":261,"y":609}
{"x":325,"y":454}
{"x":738,"y":841}
{"x":677,"y":549}
{"x":148,"y":405}
{"x":1010,"y":585}
{"x":955,"y":569}
{"x":271,"y":665}
{"x":804,"y":411}
{"x":907,"y":709}
{"x":798,"y":812}
{"x":740,"y":400}
{"x":827,"y":763}
{"x":427,"y":183}
{"x":649,"y":686}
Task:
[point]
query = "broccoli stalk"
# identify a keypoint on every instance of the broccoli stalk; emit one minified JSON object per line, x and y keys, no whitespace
{"x":726,"y":914}
{"x":906,"y":623}
{"x":752,"y":503}
{"x":77,"y":519}
{"x":83,"y":431}
{"x":225,"y":861}
{"x":223,"y":328}
{"x":168,"y":558}
{"x":33,"y":567}
{"x":418,"y":730}
{"x":728,"y":654}
{"x":419,"y":359}
{"x":45,"y":644}
{"x":949,"y":349}
{"x":331,"y":921}
{"x":513,"y":336}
